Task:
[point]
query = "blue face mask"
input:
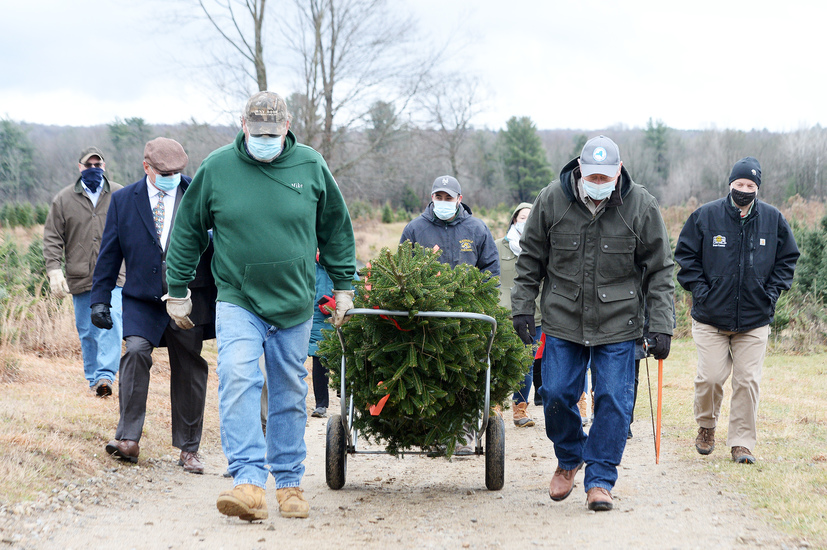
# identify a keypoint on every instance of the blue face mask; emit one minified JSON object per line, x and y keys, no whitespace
{"x":599,"y":191}
{"x":445,"y":210}
{"x":92,"y":178}
{"x":167,"y":183}
{"x":264,"y":148}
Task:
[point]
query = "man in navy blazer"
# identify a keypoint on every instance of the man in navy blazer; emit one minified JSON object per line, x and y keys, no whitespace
{"x":138,"y":225}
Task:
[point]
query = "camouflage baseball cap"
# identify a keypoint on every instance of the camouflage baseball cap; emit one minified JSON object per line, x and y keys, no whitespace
{"x":266,"y":113}
{"x":90,"y":152}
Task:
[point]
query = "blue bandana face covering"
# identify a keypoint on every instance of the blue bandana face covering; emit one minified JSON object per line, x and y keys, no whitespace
{"x":264,"y":148}
{"x":92,"y":178}
{"x":167,"y":183}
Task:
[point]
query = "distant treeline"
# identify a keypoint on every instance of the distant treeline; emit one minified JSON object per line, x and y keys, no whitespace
{"x":494,"y":166}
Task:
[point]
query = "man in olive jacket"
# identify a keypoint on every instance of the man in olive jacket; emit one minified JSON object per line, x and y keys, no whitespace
{"x":598,"y":243}
{"x":73,"y":232}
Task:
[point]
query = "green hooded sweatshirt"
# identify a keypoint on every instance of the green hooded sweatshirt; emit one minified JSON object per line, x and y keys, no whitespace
{"x":267,"y":221}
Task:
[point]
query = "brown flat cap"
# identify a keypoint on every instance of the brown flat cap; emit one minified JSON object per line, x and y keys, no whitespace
{"x":266,"y":113}
{"x":165,"y":155}
{"x":90,"y":152}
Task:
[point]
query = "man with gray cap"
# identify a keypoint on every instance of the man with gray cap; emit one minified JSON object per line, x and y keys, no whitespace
{"x":73,"y":231}
{"x":448,"y":224}
{"x":737,"y":255}
{"x":137,"y":232}
{"x":271,"y":203}
{"x":598,"y":244}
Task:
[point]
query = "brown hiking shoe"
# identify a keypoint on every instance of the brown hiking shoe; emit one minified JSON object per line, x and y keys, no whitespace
{"x":245,"y":501}
{"x":742,"y":455}
{"x":562,"y":482}
{"x":521,"y":418}
{"x":705,"y":442}
{"x":599,"y":499}
{"x":292,"y":503}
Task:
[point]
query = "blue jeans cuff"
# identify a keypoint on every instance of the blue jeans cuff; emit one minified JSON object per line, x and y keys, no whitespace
{"x":237,"y":482}
{"x":288,"y":484}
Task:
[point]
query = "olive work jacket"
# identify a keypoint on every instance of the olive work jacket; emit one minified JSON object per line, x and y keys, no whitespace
{"x":596,"y":269}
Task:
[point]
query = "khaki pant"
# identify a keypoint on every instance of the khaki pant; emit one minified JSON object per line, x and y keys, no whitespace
{"x":721,"y":353}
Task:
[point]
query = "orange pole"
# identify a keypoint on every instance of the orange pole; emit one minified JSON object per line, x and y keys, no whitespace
{"x":660,"y":407}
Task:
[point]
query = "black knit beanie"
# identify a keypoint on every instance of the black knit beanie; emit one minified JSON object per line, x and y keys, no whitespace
{"x":747,"y":168}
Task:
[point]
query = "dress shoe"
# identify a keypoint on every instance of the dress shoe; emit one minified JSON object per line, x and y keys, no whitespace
{"x":599,"y":499}
{"x":562,"y":483}
{"x":292,"y":503}
{"x":705,"y":442}
{"x":123,"y":449}
{"x":245,"y":501}
{"x":191,"y":462}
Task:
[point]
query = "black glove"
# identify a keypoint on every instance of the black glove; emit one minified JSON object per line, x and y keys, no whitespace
{"x":659,"y":345}
{"x":524,"y":325}
{"x":101,"y":317}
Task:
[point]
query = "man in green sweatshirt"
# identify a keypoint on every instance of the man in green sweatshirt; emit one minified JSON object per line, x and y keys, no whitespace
{"x":270,"y":203}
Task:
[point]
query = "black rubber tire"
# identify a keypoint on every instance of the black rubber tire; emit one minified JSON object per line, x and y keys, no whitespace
{"x":495,"y":453}
{"x":335,"y":453}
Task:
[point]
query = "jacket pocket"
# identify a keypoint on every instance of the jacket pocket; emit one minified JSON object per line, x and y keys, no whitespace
{"x":617,"y":257}
{"x":565,"y":253}
{"x":619,"y":308}
{"x":78,"y":263}
{"x":562,"y":307}
{"x":278,"y":288}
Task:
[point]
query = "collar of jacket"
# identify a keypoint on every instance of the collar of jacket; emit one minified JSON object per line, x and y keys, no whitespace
{"x":79,"y":185}
{"x":735,"y":212}
{"x":241,"y":150}
{"x":571,"y":173}
{"x":465,"y":212}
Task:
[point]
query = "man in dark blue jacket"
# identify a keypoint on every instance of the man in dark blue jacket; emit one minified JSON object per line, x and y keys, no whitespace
{"x":448,"y":224}
{"x":737,"y":255}
{"x":138,"y":225}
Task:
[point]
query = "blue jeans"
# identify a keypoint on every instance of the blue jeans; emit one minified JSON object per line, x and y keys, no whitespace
{"x":521,"y":395}
{"x":241,"y":337}
{"x":564,"y":369}
{"x":101,"y":348}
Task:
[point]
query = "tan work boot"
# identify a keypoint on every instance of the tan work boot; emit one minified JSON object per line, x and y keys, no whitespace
{"x":705,"y":442}
{"x":292,"y":503}
{"x":245,"y":501}
{"x":584,"y":411}
{"x":521,"y":418}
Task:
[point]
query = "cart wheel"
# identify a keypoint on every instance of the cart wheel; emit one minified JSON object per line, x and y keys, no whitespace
{"x":495,"y":453}
{"x":335,"y":453}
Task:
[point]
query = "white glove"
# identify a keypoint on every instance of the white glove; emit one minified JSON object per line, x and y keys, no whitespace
{"x":57,"y":283}
{"x":344,"y":302}
{"x":179,"y":309}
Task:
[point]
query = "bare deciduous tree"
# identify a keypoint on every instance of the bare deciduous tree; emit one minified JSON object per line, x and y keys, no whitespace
{"x":449,"y":107}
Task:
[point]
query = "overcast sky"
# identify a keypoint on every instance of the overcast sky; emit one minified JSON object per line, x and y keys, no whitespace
{"x":581,"y":64}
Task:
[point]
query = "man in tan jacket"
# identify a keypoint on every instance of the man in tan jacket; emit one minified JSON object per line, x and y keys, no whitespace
{"x":73,"y":233}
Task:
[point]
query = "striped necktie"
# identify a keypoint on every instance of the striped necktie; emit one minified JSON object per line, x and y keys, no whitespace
{"x":158,"y":214}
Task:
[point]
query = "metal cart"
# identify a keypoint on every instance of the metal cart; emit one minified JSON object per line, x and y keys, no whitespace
{"x":342,"y":436}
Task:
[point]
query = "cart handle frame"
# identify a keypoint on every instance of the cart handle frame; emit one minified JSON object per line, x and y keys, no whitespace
{"x":347,"y":405}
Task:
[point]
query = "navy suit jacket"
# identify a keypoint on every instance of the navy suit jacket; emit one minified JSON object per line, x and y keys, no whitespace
{"x":129,"y":236}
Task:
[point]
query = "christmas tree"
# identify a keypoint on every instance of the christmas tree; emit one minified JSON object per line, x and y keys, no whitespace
{"x":428,"y":373}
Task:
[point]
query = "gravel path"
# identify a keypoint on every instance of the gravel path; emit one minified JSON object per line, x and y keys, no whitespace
{"x":415,"y":502}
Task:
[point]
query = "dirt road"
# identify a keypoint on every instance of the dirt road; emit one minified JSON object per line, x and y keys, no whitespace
{"x":415,"y":502}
